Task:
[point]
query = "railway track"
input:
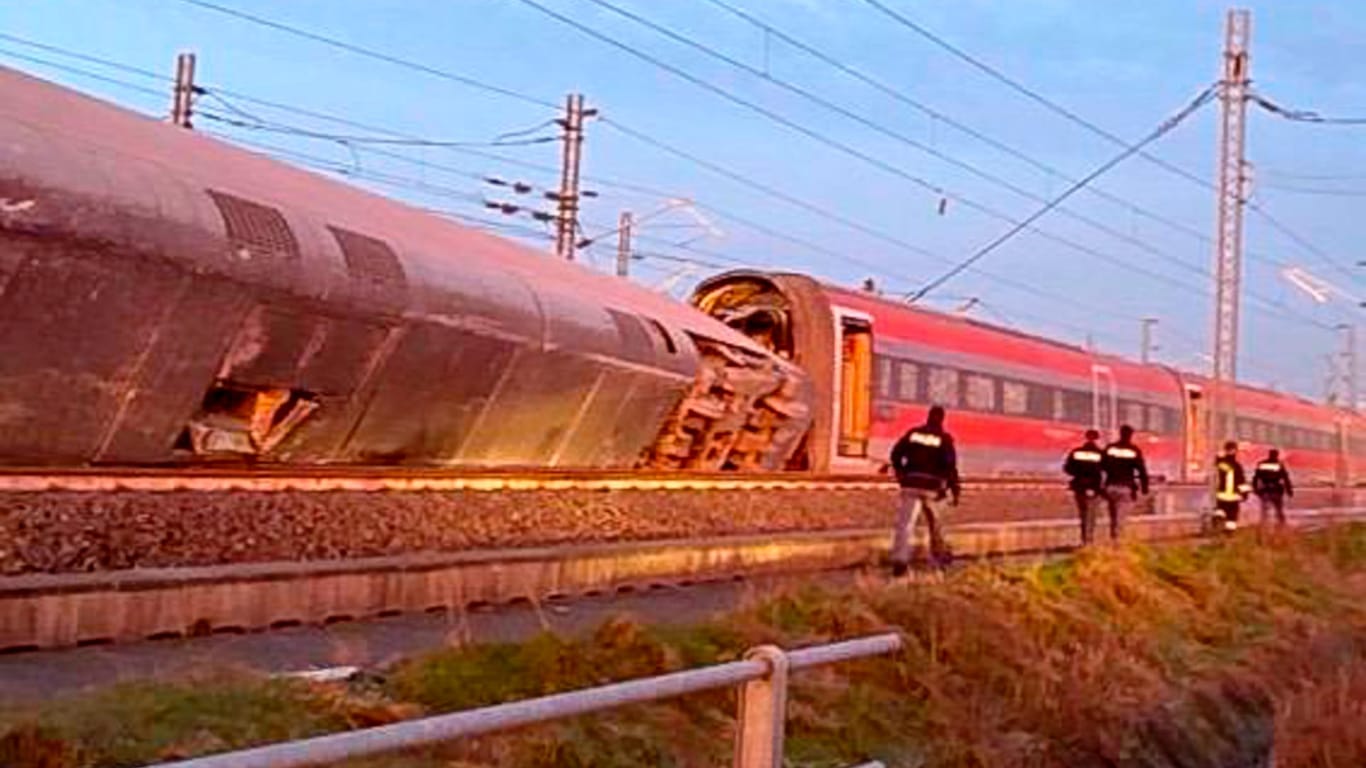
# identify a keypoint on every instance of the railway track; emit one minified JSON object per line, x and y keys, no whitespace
{"x":54,"y":610}
{"x":262,"y":479}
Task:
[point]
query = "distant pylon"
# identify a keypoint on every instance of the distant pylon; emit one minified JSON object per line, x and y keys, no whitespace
{"x":1228,"y":248}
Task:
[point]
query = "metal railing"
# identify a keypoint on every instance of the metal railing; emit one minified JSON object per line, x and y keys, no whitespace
{"x":763,"y":675}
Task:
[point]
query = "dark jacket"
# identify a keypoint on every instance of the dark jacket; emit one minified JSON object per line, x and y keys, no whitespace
{"x":925,"y":458}
{"x":1271,"y":478}
{"x":1084,"y":466}
{"x":1230,"y":484}
{"x":1124,"y":466}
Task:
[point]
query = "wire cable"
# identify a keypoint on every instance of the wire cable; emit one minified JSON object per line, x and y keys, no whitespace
{"x":902,"y":138}
{"x":373,"y":54}
{"x":1166,"y":127}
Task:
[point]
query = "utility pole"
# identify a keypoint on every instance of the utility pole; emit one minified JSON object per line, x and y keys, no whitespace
{"x":1347,"y":371}
{"x":567,"y":223}
{"x":182,"y":102}
{"x":624,"y":244}
{"x":1228,"y":249}
{"x":1147,"y":349}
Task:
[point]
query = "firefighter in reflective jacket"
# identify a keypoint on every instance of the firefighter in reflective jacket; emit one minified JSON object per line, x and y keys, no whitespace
{"x":1125,"y":475}
{"x":1230,"y":488}
{"x":1083,"y":465}
{"x":926,"y":467}
{"x":1271,"y":483}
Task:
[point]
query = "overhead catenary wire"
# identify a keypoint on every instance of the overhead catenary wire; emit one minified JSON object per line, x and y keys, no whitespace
{"x":959,"y":125}
{"x":1302,"y":115}
{"x":1166,"y":127}
{"x":370,"y":53}
{"x":899,"y":136}
{"x":711,"y":87}
{"x":379,"y":140}
{"x":841,"y":146}
{"x":1056,"y":108}
{"x":444,"y":74}
{"x":510,"y":159}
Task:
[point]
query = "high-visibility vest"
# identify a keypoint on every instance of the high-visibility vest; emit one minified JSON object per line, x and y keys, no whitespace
{"x":1229,"y":489}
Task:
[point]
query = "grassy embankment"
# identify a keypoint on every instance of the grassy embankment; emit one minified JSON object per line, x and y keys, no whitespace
{"x":1076,"y":662}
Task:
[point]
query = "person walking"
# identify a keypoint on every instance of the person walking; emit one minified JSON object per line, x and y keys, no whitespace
{"x":1083,"y":466}
{"x":926,"y":467}
{"x":1271,"y":484}
{"x":1125,"y":475}
{"x":1230,"y":488}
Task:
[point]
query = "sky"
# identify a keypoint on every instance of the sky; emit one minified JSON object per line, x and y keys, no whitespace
{"x":820,"y":173}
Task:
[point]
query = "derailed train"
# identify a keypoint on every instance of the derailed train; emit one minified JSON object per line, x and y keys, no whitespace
{"x":167,"y":299}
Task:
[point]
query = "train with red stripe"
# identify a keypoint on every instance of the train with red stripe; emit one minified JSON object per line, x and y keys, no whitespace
{"x":1017,"y":402}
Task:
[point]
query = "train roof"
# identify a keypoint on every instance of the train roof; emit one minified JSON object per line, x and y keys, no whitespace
{"x":129,"y":161}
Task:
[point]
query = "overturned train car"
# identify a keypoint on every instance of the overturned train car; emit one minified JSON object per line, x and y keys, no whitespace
{"x":166,"y":298}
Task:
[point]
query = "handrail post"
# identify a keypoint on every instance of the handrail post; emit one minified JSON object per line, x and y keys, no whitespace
{"x":763,"y":712}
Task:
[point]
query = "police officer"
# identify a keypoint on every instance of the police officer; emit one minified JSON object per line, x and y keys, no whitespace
{"x":926,"y":467}
{"x":1083,"y":465}
{"x":1230,"y":488}
{"x":1271,"y":483}
{"x":1125,"y":475}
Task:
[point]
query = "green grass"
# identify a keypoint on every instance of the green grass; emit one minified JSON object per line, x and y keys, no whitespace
{"x":1071,"y":662}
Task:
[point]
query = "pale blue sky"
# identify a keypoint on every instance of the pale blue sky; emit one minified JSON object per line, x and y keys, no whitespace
{"x":1123,"y":64}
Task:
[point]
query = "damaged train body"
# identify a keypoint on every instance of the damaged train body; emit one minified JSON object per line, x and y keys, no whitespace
{"x":166,"y":298}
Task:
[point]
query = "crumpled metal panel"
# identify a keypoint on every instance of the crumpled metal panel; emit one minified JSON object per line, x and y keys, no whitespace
{"x":431,"y":392}
{"x":71,"y":330}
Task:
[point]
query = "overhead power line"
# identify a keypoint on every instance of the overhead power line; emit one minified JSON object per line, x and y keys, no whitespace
{"x":261,"y":125}
{"x":1166,"y":127}
{"x":1303,"y":115}
{"x":1058,"y":109}
{"x":370,"y":53}
{"x":1030,"y":93}
{"x":902,"y":138}
{"x":1179,"y":285}
{"x":840,"y":146}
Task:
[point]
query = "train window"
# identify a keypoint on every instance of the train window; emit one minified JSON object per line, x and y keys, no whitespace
{"x":1059,"y":409}
{"x":1132,"y":414}
{"x":907,"y":381}
{"x":1077,"y":407}
{"x":980,"y":392}
{"x":1040,"y":404}
{"x":943,"y":387}
{"x":1014,"y":398}
{"x":883,"y":378}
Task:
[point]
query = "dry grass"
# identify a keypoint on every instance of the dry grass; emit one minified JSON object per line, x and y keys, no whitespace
{"x":1185,"y":655}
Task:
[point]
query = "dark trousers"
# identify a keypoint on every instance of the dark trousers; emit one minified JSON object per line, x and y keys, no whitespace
{"x":1086,"y":510}
{"x":1118,"y":500}
{"x":1229,"y":510}
{"x":1269,"y":502}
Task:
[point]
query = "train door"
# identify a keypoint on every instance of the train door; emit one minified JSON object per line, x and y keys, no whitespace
{"x":854,"y":383}
{"x":1104,"y":399}
{"x":1194,"y":427}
